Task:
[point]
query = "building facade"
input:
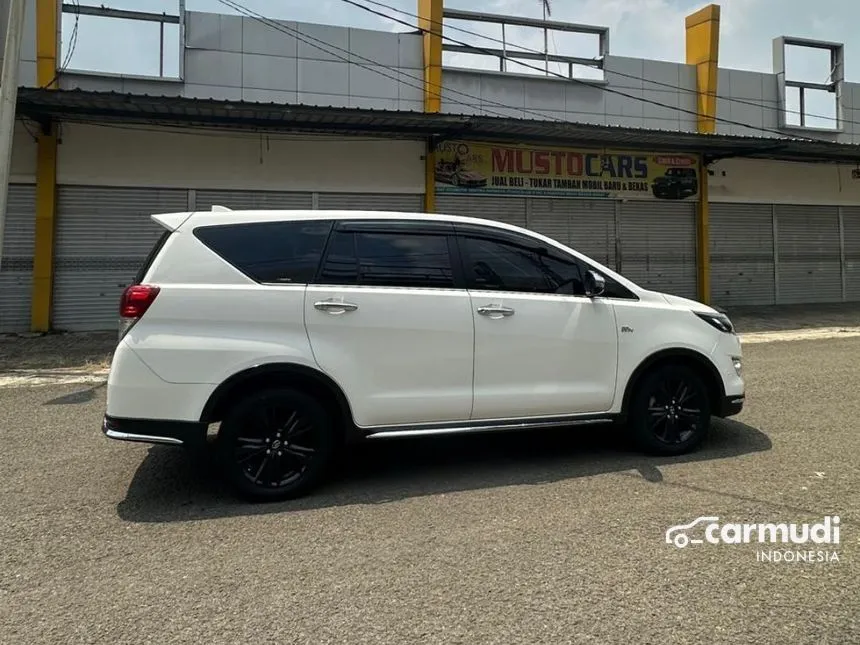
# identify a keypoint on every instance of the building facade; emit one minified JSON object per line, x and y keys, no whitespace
{"x":687,"y":178}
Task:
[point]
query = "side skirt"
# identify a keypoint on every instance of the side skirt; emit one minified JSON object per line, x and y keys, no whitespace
{"x":497,"y":425}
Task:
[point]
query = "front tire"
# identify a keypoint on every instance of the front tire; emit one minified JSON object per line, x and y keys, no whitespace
{"x":276,"y":445}
{"x":670,"y":412}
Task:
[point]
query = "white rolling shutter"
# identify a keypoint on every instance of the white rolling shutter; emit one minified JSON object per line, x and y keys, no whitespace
{"x":16,"y":270}
{"x":510,"y":210}
{"x":103,"y":236}
{"x":741,"y":249}
{"x":808,"y":269}
{"x":399,"y":203}
{"x":851,"y":242}
{"x":252,"y":199}
{"x":658,"y":246}
{"x":585,"y":225}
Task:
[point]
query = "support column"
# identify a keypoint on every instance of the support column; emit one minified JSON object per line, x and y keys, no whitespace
{"x":47,"y":39}
{"x":703,"y":39}
{"x":430,"y":22}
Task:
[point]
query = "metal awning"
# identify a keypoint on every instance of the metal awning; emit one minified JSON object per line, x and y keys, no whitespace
{"x":113,"y":107}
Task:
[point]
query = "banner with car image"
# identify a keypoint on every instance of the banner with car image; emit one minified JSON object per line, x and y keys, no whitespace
{"x":503,"y":169}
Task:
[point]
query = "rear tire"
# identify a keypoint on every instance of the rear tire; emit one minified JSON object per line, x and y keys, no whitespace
{"x":670,"y":412}
{"x":276,"y":445}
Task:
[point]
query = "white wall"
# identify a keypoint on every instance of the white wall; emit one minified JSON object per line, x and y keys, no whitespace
{"x":783,"y":182}
{"x":109,"y":156}
{"x":23,"y":168}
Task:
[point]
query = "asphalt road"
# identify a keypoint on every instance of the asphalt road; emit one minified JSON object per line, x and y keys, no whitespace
{"x":555,"y":537}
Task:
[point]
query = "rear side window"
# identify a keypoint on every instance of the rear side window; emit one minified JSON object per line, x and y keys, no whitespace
{"x":153,"y":253}
{"x":388,"y":260}
{"x":270,"y":252}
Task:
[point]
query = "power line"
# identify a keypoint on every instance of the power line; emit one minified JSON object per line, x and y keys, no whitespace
{"x":581,"y":82}
{"x":595,"y":64}
{"x":305,"y":38}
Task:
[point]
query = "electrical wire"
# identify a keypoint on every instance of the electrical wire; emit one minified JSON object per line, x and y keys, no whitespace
{"x":595,"y":65}
{"x":305,"y":38}
{"x":581,"y":82}
{"x":217,"y":132}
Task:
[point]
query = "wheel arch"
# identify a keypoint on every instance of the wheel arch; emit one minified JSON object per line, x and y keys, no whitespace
{"x":698,"y":361}
{"x":300,"y":377}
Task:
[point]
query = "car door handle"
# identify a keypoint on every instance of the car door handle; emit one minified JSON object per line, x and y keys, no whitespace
{"x":335,"y":307}
{"x":495,"y":311}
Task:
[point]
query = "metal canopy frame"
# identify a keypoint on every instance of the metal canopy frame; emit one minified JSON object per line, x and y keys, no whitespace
{"x":144,"y":16}
{"x":505,"y":54}
{"x":43,"y":105}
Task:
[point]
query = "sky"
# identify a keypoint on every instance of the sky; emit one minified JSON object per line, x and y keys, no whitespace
{"x":651,"y":29}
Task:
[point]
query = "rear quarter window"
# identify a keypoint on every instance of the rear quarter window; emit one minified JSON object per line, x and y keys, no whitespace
{"x":270,"y":252}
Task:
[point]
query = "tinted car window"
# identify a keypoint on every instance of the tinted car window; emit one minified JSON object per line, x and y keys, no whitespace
{"x":341,"y":263}
{"x":502,"y":265}
{"x":388,"y":260}
{"x":279,"y":252}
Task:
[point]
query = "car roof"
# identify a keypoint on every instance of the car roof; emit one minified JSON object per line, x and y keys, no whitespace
{"x":220,"y":216}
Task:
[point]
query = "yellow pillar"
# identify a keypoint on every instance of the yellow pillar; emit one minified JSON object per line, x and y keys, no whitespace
{"x":430,"y":22}
{"x":703,"y":47}
{"x":47,"y":12}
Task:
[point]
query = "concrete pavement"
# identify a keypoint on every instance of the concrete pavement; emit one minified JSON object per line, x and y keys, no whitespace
{"x":552,"y":537}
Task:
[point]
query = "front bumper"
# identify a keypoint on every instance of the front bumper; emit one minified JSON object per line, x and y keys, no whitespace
{"x":174,"y":433}
{"x":731,"y":405}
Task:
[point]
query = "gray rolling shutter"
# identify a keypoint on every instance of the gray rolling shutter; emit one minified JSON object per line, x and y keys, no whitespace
{"x":510,"y":210}
{"x":741,"y":246}
{"x":587,"y":226}
{"x":402,"y":203}
{"x":808,"y":254}
{"x":103,"y":236}
{"x":658,"y":246}
{"x":851,"y":242}
{"x":251,"y":199}
{"x":16,"y":271}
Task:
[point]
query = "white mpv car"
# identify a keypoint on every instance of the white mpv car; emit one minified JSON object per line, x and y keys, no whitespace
{"x":299,"y":332}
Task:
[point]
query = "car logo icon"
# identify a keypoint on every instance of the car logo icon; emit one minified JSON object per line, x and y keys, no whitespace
{"x":677,"y":534}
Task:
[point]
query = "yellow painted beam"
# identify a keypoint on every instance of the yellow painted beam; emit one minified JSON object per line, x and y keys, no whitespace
{"x":43,"y":249}
{"x":430,"y":23}
{"x":429,"y":180}
{"x":47,"y":39}
{"x":703,"y":238}
{"x":703,"y":51}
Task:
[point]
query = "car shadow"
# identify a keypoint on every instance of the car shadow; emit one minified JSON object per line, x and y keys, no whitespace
{"x":173,"y":485}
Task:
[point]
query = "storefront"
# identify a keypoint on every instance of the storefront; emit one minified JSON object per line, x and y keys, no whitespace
{"x":631,"y":211}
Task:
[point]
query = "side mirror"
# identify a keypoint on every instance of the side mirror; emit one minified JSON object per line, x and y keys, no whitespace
{"x":594,"y":283}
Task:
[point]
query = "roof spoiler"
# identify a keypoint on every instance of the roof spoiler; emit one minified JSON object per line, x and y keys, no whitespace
{"x":172,"y":221}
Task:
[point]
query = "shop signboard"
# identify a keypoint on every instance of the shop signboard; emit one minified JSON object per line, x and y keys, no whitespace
{"x":551,"y":171}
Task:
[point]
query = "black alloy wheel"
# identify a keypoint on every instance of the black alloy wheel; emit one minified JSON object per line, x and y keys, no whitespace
{"x":671,"y":411}
{"x":276,"y":445}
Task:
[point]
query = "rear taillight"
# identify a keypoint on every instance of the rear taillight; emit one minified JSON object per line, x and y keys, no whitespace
{"x":136,"y":299}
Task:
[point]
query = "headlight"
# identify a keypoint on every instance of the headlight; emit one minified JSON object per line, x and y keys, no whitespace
{"x":720,"y":321}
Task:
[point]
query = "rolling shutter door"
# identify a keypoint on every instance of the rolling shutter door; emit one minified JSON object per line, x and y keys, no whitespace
{"x":658,"y":246}
{"x":16,"y":270}
{"x":510,"y":210}
{"x":742,"y":267}
{"x":401,"y":203}
{"x":587,"y":226}
{"x":851,"y":241}
{"x":251,"y":199}
{"x":103,"y":236}
{"x":808,"y":254}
